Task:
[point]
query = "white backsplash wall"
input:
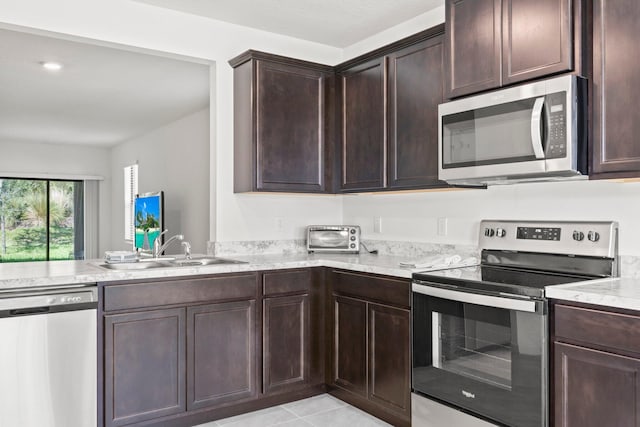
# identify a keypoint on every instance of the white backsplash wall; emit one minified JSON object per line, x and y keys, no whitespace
{"x":414,"y":216}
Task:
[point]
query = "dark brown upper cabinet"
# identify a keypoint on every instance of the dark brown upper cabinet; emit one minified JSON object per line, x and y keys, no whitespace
{"x":615,"y":89}
{"x":493,"y":43}
{"x":389,"y":115}
{"x":281,"y":124}
{"x":415,"y":86}
{"x":363,"y":126}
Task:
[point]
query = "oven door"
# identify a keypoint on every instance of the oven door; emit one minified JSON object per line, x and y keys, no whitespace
{"x":484,"y":354}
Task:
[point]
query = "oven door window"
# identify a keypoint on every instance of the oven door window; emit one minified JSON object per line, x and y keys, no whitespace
{"x":488,"y":360}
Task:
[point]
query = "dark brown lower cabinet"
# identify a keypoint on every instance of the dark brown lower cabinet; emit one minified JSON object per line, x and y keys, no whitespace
{"x":286,"y":343}
{"x":221,"y":353}
{"x":389,"y":357}
{"x":595,"y":388}
{"x":350,"y":351}
{"x":371,"y":360}
{"x":144,"y":365}
{"x":596,"y":367}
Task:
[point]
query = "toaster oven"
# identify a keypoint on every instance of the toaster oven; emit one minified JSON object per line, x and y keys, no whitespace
{"x":333,"y":238}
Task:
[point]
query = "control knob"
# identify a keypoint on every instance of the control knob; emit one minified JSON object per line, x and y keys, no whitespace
{"x":489,"y":232}
{"x":578,"y":236}
{"x":500,"y":232}
{"x":593,"y":236}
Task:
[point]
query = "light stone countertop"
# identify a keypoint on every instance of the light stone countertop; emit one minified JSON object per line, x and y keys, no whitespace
{"x":28,"y":275}
{"x":615,"y":292}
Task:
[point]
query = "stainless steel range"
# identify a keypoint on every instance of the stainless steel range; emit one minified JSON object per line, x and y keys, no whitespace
{"x":480,"y":334}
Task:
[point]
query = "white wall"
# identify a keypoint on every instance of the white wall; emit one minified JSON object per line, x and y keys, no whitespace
{"x":141,"y":25}
{"x":412,"y":26}
{"x":173,"y":158}
{"x":58,"y":160}
{"x":413,"y":217}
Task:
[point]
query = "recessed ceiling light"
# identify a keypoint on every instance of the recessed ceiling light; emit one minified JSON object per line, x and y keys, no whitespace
{"x":51,"y":66}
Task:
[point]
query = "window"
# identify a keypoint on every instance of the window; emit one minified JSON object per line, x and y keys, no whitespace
{"x":130,"y":192}
{"x":41,"y":220}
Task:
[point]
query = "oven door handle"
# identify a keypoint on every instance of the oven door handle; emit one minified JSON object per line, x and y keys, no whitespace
{"x":478,"y":299}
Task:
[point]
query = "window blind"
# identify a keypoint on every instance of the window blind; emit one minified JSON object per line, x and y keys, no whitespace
{"x":130,"y":192}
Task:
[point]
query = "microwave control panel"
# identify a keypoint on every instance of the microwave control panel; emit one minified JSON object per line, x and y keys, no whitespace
{"x":555,"y":103}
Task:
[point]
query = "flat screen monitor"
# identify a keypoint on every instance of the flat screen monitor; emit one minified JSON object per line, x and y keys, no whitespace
{"x":148,"y":217}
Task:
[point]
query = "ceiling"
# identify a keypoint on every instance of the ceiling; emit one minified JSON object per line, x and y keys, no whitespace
{"x":102,"y":97}
{"x":338,"y":23}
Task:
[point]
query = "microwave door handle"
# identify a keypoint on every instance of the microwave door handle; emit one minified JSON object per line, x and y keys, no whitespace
{"x":536,"y":133}
{"x":478,"y":299}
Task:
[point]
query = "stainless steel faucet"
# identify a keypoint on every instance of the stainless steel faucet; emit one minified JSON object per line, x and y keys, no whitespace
{"x":158,"y":248}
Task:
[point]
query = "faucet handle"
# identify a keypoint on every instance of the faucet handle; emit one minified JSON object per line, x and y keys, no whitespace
{"x":187,"y":249}
{"x":157,"y":244}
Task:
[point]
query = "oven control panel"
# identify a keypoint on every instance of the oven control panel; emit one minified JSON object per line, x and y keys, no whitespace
{"x":538,"y":233}
{"x":589,"y":238}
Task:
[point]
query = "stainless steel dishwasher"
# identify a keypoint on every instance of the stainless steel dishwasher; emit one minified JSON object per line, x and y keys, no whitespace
{"x":48,"y":363}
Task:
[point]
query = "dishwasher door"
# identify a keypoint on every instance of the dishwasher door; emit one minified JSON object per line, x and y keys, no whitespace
{"x":48,"y":369}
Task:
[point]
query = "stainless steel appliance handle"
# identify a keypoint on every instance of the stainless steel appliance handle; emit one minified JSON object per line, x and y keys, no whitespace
{"x":536,"y":134}
{"x":478,"y":299}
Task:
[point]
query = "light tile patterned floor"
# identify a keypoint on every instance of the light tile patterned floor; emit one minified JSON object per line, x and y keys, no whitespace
{"x":318,"y":411}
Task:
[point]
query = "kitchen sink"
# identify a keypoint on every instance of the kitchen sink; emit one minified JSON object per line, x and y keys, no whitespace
{"x":184,"y":262}
{"x":134,"y":265}
{"x":169,"y":262}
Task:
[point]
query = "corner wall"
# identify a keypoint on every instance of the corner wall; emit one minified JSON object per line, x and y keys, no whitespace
{"x":173,"y":158}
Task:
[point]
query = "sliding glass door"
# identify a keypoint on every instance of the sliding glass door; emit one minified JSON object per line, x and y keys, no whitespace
{"x":41,"y":220}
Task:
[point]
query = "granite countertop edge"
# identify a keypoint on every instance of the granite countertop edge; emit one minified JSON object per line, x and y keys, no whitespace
{"x":32,"y":275}
{"x":618,"y":292}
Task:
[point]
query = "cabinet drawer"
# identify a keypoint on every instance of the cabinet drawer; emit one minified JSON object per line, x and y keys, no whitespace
{"x":284,"y":282}
{"x":381,"y":289}
{"x":152,"y":294}
{"x":603,"y":329}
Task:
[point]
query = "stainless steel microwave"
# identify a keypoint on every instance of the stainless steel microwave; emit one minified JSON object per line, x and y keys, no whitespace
{"x":333,"y":238}
{"x":530,"y":132}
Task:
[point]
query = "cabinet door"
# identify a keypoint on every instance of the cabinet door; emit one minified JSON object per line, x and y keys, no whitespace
{"x":473,"y":46}
{"x":363,"y":126}
{"x":144,"y":366}
{"x":390,"y":358}
{"x":537,"y":38}
{"x":350,"y":345}
{"x":415,"y":90}
{"x":615,"y":88}
{"x":221,"y":353}
{"x":595,"y":389}
{"x":285,"y":343}
{"x":290,"y":128}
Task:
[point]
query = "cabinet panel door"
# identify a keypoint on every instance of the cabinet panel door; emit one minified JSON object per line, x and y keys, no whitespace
{"x":350,"y":345}
{"x":363,"y":126}
{"x":285,"y":343}
{"x":221,"y":353}
{"x":415,"y":90}
{"x":537,"y":38}
{"x":144,"y":366}
{"x":473,"y":46}
{"x":595,"y":389}
{"x":615,"y":88}
{"x":390,"y":358}
{"x":290,"y":120}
